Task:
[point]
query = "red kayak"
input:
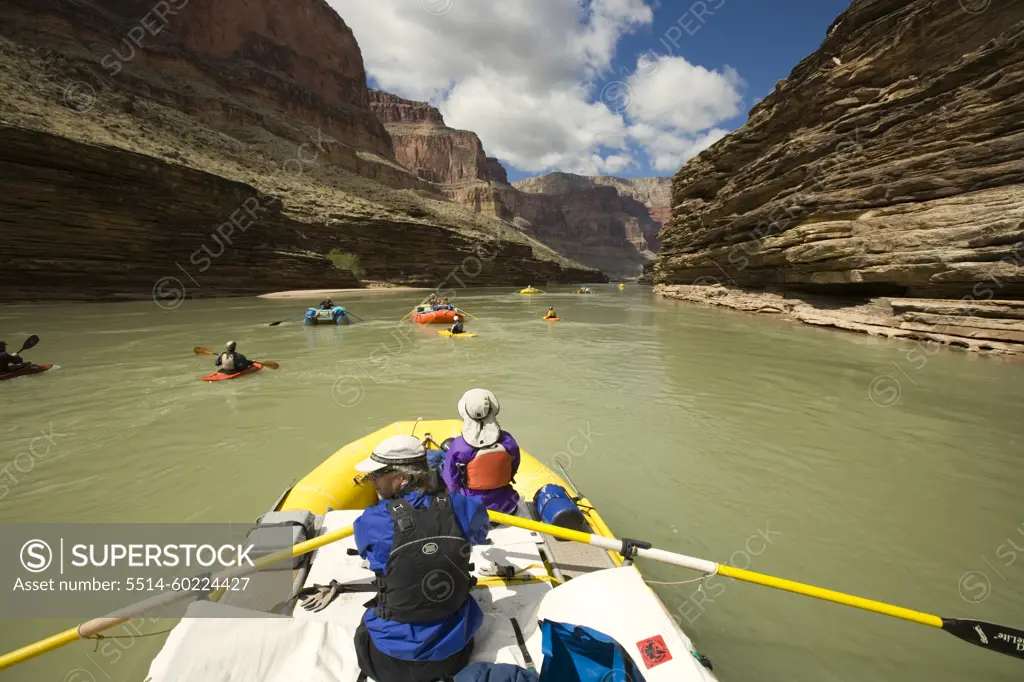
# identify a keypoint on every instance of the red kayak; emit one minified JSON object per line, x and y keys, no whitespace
{"x":26,"y":370}
{"x":220,"y":376}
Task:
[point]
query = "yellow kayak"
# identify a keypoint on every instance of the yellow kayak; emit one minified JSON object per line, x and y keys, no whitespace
{"x":527,"y":292}
{"x":622,"y":286}
{"x":445,"y":332}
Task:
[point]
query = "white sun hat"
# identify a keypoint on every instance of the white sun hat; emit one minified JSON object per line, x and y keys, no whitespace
{"x":393,"y":451}
{"x":479,"y":411}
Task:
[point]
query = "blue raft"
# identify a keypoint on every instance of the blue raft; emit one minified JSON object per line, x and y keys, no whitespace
{"x":335,"y":315}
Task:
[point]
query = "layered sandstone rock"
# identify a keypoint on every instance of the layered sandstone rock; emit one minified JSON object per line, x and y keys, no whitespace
{"x":992,"y":326}
{"x":130,"y":225}
{"x":890,"y":163}
{"x":263,"y":97}
{"x":134,"y":225}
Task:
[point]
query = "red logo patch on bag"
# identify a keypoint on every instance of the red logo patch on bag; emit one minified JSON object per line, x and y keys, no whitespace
{"x":654,"y":651}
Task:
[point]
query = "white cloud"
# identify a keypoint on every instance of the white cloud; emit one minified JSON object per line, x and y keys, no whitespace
{"x":675,"y":108}
{"x":668,"y":149}
{"x":683,"y":96}
{"x":523,"y":75}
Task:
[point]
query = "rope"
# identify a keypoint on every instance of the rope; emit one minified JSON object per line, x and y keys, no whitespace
{"x":99,"y":637}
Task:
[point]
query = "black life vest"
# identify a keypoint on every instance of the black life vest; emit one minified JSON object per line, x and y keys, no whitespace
{"x":427,"y":576}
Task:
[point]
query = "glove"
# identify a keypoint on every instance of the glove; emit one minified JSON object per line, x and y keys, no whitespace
{"x":319,"y":597}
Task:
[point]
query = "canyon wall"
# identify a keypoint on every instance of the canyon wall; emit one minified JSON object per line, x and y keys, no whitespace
{"x":644,"y":203}
{"x":206,"y":104}
{"x":890,"y":163}
{"x":604,"y":222}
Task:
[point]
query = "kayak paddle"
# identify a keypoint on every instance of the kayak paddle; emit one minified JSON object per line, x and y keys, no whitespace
{"x":998,"y":638}
{"x":199,"y":350}
{"x":468,"y":313}
{"x":29,"y":342}
{"x":274,"y":324}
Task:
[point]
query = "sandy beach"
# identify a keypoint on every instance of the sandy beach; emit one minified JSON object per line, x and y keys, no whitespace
{"x":316,"y":293}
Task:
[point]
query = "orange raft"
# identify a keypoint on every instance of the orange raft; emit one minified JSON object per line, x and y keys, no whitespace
{"x":435,"y":317}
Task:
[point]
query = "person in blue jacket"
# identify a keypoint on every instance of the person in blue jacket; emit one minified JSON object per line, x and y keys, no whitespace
{"x":417,"y":539}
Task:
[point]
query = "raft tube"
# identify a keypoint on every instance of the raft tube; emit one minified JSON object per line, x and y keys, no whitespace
{"x":336,"y":315}
{"x":435,"y":317}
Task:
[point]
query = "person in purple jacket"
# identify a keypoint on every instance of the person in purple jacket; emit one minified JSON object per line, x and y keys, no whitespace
{"x":483,"y":461}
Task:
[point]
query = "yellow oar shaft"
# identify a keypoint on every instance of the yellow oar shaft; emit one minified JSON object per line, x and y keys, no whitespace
{"x":710,"y":567}
{"x":97,"y":625}
{"x":829,"y":595}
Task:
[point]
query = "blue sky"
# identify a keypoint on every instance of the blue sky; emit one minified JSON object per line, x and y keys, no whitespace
{"x":547,"y":88}
{"x":762,"y":39}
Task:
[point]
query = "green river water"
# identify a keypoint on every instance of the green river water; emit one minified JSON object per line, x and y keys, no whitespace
{"x":871,"y":467}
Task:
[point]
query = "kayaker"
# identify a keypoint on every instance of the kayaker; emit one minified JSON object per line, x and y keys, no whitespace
{"x":417,"y":539}
{"x":457,"y":326}
{"x":9,"y":362}
{"x":551,"y":314}
{"x":326,"y":304}
{"x":483,"y":461}
{"x":230,"y":361}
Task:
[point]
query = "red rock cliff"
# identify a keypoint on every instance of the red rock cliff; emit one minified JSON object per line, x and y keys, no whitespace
{"x":426,"y":146}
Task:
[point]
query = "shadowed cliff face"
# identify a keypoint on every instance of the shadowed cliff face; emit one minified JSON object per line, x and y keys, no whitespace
{"x":606,"y":223}
{"x":643,"y":203}
{"x":300,"y":58}
{"x":187,"y":105}
{"x":891,"y":161}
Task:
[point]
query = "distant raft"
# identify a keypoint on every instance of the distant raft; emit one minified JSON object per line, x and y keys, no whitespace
{"x":335,"y":315}
{"x":441,"y":314}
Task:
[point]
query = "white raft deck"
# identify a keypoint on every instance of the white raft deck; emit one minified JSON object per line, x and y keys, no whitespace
{"x":220,"y":646}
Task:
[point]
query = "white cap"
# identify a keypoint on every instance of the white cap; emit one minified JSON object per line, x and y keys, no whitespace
{"x":479,"y":411}
{"x":392,"y":451}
